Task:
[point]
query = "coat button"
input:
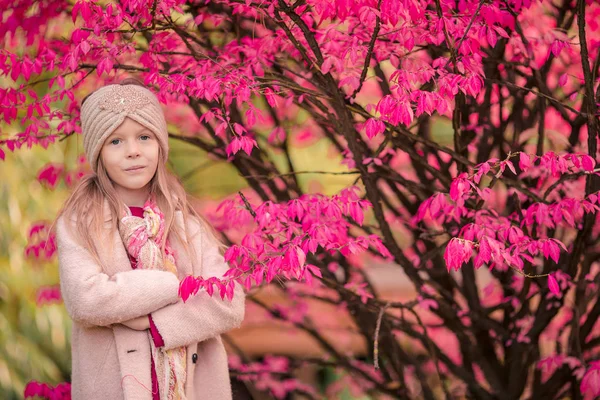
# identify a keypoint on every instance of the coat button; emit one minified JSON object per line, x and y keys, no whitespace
{"x":194,"y":357}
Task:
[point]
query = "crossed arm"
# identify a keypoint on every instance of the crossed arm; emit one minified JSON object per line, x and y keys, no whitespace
{"x":139,"y":323}
{"x":92,"y":298}
{"x":202,"y":316}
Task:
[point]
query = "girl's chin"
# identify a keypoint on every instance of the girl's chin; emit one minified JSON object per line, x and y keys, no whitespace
{"x":134,"y":185}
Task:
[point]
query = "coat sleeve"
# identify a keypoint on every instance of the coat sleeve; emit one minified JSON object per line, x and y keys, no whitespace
{"x":201,"y":317}
{"x":92,"y":298}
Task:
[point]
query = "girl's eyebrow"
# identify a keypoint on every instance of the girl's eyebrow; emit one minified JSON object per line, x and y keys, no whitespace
{"x":138,"y":132}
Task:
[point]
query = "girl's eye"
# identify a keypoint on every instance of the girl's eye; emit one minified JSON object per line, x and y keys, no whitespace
{"x":114,"y":140}
{"x":146,"y":136}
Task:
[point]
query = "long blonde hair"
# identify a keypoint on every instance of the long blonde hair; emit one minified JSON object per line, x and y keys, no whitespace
{"x":86,"y":206}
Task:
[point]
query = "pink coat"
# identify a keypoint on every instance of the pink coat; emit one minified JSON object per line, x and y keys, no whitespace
{"x":111,"y":361}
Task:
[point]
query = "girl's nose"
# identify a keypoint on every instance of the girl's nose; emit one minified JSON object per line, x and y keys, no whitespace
{"x":133,"y":150}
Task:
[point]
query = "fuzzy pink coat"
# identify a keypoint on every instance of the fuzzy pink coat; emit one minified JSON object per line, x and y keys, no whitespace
{"x":111,"y":361}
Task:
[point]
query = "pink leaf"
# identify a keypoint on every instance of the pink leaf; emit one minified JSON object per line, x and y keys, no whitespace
{"x":501,"y":32}
{"x":85,"y":47}
{"x":50,"y":174}
{"x":550,"y":250}
{"x":315,"y":270}
{"x":524,"y":161}
{"x":301,"y":256}
{"x":270,"y":96}
{"x":187,"y":287}
{"x":553,"y":284}
{"x":587,"y":162}
{"x":230,"y":289}
{"x":590,"y":384}
{"x":458,"y":251}
{"x":48,"y":295}
{"x":491,"y":37}
{"x":511,"y":166}
{"x":374,"y":127}
{"x":562,"y":80}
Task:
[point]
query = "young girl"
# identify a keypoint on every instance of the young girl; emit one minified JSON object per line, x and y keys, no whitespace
{"x":126,"y":237}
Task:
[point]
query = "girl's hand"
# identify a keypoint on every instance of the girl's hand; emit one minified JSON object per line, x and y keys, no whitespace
{"x":138,"y":324}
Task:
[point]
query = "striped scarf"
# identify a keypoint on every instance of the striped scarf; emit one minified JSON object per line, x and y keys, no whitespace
{"x":142,"y":238}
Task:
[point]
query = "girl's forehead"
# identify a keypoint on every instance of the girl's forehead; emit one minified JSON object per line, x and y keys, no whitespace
{"x":131,"y":129}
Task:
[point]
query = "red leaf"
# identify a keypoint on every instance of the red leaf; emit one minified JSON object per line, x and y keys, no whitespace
{"x":186,"y":287}
{"x":85,"y":47}
{"x":511,"y":166}
{"x":501,"y":31}
{"x":374,"y":127}
{"x":524,"y":161}
{"x":457,"y":252}
{"x":315,"y":270}
{"x":553,"y":284}
{"x":301,"y":256}
{"x":562,"y":80}
{"x":551,"y":250}
{"x":491,"y":37}
{"x":587,"y":162}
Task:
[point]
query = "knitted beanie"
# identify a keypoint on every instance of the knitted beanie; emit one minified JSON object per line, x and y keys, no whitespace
{"x":106,"y":108}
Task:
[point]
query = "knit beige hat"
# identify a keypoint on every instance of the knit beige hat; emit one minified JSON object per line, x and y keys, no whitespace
{"x":106,"y":108}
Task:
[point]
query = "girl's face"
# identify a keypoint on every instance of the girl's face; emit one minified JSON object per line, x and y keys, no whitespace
{"x":130,"y":157}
